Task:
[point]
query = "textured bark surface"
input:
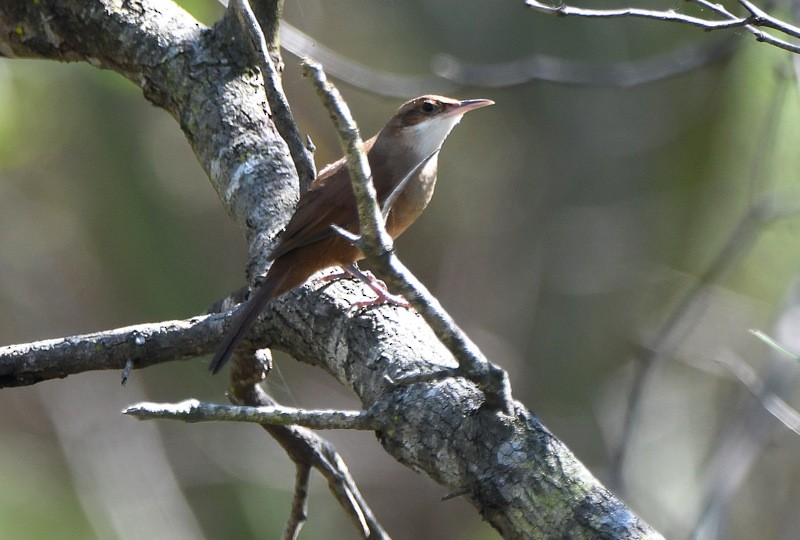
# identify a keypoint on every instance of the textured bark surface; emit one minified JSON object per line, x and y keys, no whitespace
{"x":523,"y":480}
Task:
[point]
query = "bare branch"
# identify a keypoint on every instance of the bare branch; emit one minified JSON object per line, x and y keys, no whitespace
{"x":765,"y":19}
{"x":669,"y":15}
{"x":373,"y":234}
{"x":755,"y":19}
{"x":192,"y":410}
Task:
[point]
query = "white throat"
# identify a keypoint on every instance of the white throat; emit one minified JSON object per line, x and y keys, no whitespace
{"x":427,"y":137}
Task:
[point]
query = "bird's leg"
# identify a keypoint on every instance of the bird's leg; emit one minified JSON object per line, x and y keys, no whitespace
{"x":377,"y":286}
{"x":369,"y":279}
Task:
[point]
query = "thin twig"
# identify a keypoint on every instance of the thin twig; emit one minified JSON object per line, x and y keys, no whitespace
{"x":299,"y":512}
{"x":751,"y":23}
{"x":376,"y":244}
{"x":279,"y":105}
{"x":756,"y":20}
{"x":192,"y":410}
{"x":373,"y":233}
{"x":765,"y":19}
{"x":670,"y":15}
{"x":307,"y":448}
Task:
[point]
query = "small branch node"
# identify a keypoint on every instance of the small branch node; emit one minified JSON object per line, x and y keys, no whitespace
{"x":126,"y":371}
{"x":455,"y":494}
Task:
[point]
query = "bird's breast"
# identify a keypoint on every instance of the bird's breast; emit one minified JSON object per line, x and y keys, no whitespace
{"x":412,"y":200}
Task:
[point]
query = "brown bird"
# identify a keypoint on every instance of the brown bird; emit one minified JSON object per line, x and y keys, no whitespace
{"x":403,"y":161}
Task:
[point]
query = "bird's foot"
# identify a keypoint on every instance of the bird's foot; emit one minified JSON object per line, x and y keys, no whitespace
{"x":384,"y":297}
{"x":369,"y":279}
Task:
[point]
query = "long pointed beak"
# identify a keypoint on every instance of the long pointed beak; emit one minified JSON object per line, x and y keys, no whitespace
{"x":468,"y":105}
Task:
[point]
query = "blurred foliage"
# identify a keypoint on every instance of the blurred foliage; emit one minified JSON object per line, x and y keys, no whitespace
{"x":567,"y":223}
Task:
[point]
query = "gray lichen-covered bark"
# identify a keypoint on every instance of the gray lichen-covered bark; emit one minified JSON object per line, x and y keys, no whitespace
{"x":522,"y":479}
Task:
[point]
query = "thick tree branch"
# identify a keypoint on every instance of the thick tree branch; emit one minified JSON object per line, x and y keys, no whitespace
{"x":144,"y":344}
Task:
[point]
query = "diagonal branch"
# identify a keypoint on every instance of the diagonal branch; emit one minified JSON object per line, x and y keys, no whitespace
{"x":375,"y":237}
{"x":307,"y":450}
{"x":376,"y":244}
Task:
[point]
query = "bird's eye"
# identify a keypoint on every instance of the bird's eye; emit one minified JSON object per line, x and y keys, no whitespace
{"x":427,"y":107}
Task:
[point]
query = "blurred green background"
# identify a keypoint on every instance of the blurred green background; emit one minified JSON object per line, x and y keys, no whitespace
{"x":567,"y":224}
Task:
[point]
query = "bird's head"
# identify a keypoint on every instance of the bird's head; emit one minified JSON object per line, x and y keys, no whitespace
{"x":422,"y":124}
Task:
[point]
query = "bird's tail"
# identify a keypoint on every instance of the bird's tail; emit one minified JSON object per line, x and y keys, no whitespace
{"x":255,"y":305}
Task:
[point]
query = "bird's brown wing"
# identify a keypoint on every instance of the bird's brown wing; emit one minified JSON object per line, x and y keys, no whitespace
{"x":329,"y":200}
